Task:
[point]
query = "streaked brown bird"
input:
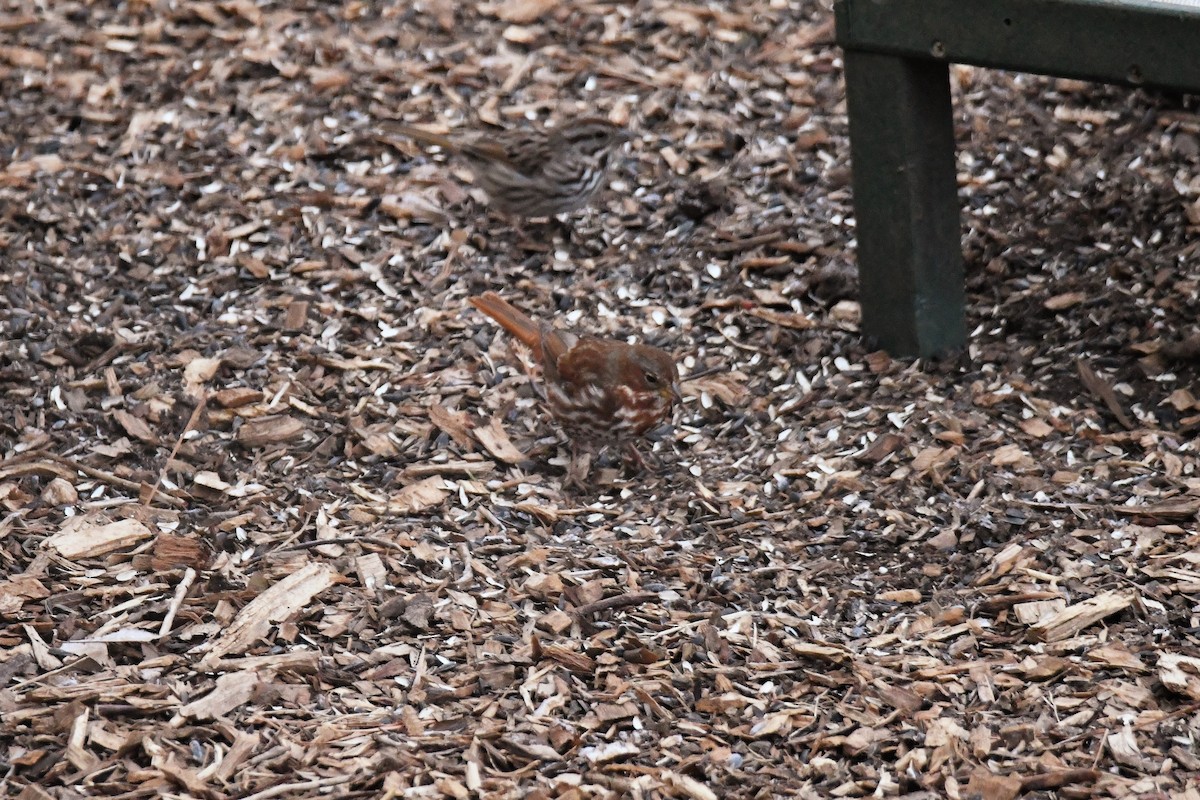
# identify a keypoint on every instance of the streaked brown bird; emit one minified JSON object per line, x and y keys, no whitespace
{"x":600,"y":390}
{"x":531,"y":172}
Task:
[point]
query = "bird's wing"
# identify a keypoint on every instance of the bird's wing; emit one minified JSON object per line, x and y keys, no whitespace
{"x":582,"y":362}
{"x":526,"y":152}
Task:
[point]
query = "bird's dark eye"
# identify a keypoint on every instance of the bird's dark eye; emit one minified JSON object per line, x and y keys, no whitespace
{"x":651,"y":378}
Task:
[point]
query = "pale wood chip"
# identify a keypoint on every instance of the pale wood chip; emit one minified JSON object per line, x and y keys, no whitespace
{"x":272,"y":430}
{"x":1180,"y":674}
{"x":371,"y":571}
{"x":819,"y":652}
{"x":987,"y":785}
{"x":86,"y":537}
{"x":419,"y":496}
{"x":1038,"y":610}
{"x":523,"y":12}
{"x":787,"y":319}
{"x":233,"y":689}
{"x":494,"y":439}
{"x":1038,"y":428}
{"x":135,"y":426}
{"x":198,"y":372}
{"x":1101,"y":389}
{"x":901,"y":596}
{"x":237,"y":397}
{"x":729,"y":388}
{"x":609,"y":751}
{"x":77,"y":753}
{"x":454,"y":424}
{"x":1074,"y":618}
{"x":1064,"y":301}
{"x":688,"y":786}
{"x":276,"y":604}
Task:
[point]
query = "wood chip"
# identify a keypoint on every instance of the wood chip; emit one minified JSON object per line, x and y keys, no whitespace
{"x":901,"y":596}
{"x":237,"y":397}
{"x":523,"y":12}
{"x":276,"y":604}
{"x":231,"y":691}
{"x":135,"y":426}
{"x":496,"y":441}
{"x":419,"y":496}
{"x":87,"y":537}
{"x":1100,"y":388}
{"x":1065,"y":301}
{"x":1074,"y":618}
{"x":1180,"y":674}
{"x":784,"y":318}
{"x":456,"y":425}
{"x":266,"y":431}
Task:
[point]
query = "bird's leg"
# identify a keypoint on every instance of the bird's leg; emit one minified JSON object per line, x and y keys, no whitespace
{"x":565,"y":229}
{"x":631,"y":458}
{"x":636,"y":462}
{"x":539,"y":243}
{"x":578,"y":468}
{"x":534,"y":382}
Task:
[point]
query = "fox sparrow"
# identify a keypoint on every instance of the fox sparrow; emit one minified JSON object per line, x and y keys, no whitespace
{"x":530,"y":172}
{"x":599,"y":390}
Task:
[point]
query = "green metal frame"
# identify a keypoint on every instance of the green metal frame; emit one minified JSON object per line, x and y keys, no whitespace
{"x":901,"y":137}
{"x":905,"y":196}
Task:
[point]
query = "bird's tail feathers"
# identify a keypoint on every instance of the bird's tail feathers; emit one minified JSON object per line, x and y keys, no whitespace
{"x":512,"y":319}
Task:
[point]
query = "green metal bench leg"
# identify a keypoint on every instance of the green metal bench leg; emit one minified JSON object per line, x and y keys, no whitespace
{"x":906,"y":203}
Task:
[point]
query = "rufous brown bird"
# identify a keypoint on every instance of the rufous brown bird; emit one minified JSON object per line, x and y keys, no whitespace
{"x":530,"y":172}
{"x":600,"y":390}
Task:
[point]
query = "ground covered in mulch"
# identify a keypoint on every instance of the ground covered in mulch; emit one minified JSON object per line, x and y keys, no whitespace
{"x":282,"y":515}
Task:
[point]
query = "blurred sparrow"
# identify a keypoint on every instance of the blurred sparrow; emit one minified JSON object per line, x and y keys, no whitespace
{"x":531,"y":172}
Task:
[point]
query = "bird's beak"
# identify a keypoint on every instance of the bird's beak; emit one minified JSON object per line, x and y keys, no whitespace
{"x":672,"y":393}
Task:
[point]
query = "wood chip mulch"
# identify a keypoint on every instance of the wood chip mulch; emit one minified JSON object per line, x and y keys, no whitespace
{"x":282,"y":515}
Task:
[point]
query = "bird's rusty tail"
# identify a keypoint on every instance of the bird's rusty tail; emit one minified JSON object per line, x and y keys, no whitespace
{"x":512,"y":319}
